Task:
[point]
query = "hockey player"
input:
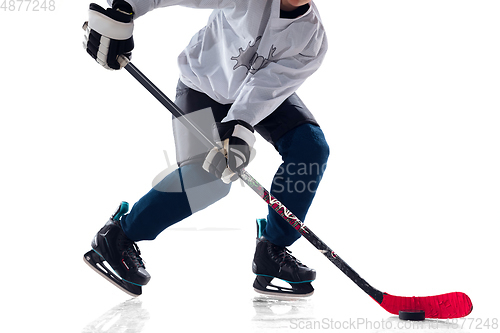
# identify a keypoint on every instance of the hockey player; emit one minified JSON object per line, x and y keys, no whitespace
{"x":244,"y":66}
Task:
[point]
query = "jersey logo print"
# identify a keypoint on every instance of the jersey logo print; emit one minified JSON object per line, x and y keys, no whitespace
{"x":250,"y":59}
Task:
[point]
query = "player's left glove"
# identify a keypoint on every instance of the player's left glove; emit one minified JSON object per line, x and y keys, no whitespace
{"x":108,"y":34}
{"x":235,"y":139}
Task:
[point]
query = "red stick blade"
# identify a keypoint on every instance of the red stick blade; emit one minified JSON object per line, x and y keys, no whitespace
{"x":445,"y":306}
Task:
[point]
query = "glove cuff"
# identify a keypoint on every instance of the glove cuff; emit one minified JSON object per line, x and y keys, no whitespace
{"x":226,"y":129}
{"x":244,"y":133}
{"x":110,"y":23}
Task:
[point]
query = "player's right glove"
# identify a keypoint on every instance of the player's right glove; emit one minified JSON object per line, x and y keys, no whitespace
{"x":235,"y":141}
{"x":108,"y":34}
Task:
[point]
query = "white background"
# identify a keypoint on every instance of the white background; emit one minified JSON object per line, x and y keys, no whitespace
{"x":408,"y":97}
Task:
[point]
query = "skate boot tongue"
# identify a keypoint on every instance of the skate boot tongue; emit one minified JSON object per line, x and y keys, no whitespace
{"x":120,"y":211}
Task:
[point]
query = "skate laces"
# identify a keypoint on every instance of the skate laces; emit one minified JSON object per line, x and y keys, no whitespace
{"x":131,"y":250}
{"x":284,"y":257}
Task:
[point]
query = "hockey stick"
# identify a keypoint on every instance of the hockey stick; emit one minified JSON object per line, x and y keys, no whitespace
{"x":450,"y":305}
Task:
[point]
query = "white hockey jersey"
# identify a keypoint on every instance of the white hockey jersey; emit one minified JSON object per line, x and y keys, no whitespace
{"x":246,"y":54}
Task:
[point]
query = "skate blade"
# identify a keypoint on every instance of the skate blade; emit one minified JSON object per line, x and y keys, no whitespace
{"x":263,"y":285}
{"x":95,"y":261}
{"x":282,"y":295}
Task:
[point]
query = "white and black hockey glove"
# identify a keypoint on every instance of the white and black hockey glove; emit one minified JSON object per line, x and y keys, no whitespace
{"x":235,"y":139}
{"x":108,"y":34}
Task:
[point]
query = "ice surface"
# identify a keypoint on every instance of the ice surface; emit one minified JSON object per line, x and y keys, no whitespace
{"x":202,"y":281}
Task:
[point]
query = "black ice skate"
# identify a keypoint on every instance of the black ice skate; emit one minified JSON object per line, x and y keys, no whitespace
{"x":115,"y":257}
{"x":271,"y":261}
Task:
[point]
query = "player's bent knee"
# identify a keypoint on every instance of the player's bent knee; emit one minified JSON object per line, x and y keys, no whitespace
{"x":202,"y":188}
{"x":312,"y":148}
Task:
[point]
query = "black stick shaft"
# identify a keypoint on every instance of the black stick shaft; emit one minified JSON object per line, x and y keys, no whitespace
{"x":274,"y":203}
